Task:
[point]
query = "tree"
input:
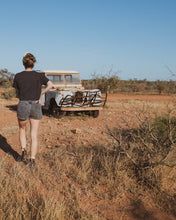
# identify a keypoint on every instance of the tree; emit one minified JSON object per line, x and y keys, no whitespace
{"x":6,"y":78}
{"x":159,"y":86}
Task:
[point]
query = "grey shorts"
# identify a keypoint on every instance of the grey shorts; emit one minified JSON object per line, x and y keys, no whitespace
{"x":29,"y":109}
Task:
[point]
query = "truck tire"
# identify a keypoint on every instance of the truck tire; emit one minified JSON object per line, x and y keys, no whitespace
{"x":95,"y":113}
{"x":53,"y":108}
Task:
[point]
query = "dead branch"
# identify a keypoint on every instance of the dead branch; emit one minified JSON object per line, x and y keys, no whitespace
{"x":119,"y":142}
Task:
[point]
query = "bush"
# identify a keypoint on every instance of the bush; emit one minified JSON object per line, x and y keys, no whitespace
{"x":104,"y":83}
{"x":9,"y":94}
{"x":5,"y":83}
{"x":6,"y":78}
{"x":143,"y":151}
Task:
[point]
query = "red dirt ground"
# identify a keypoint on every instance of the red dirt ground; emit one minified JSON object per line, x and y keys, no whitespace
{"x":55,"y":131}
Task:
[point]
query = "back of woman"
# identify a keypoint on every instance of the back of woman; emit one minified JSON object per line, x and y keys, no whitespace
{"x":28,"y":85}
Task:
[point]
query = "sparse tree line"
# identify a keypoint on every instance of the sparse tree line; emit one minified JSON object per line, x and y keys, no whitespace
{"x":115,"y":85}
{"x":110,"y":82}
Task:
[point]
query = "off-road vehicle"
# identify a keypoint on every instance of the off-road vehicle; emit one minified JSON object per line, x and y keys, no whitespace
{"x":68,"y":95}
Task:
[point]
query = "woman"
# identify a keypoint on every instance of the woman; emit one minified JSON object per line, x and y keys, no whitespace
{"x":28,"y":85}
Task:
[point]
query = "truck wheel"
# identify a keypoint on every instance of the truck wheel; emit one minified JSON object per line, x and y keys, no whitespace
{"x":95,"y":113}
{"x":87,"y":113}
{"x":53,"y":108}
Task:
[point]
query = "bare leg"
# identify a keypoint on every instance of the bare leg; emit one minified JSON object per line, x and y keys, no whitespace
{"x":34,"y":133}
{"x":22,"y":133}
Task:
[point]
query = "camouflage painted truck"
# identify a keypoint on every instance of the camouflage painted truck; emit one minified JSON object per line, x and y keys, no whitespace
{"x":68,"y":95}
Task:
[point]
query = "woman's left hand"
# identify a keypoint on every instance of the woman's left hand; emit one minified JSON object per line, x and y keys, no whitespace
{"x":38,"y":101}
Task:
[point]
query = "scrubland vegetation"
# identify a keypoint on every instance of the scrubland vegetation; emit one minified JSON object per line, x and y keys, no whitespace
{"x":132,"y":86}
{"x":71,"y":182}
{"x":131,"y":175}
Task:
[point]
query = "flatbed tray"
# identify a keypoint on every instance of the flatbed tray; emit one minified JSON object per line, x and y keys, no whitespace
{"x":81,"y":108}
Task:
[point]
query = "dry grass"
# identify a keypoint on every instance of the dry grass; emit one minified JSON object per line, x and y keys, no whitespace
{"x":26,"y":194}
{"x":94,"y":182}
{"x":128,"y":177}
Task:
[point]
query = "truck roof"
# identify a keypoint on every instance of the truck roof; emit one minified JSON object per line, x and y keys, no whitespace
{"x":60,"y":72}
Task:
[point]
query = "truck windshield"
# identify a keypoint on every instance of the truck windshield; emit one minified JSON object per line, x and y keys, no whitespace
{"x":55,"y":78}
{"x":72,"y":79}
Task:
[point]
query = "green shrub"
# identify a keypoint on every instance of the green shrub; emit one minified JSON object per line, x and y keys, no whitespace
{"x":102,"y":82}
{"x":6,"y":83}
{"x":6,"y":78}
{"x":9,"y":94}
{"x":164,"y":129}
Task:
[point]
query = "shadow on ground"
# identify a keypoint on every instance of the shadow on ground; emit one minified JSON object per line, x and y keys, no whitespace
{"x":12,"y":107}
{"x":8,"y":149}
{"x":139,"y":211}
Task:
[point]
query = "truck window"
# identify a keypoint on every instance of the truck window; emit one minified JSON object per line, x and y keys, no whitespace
{"x":72,"y":79}
{"x":55,"y":78}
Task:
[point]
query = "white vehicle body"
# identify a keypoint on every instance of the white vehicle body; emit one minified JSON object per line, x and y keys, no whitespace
{"x":68,"y":93}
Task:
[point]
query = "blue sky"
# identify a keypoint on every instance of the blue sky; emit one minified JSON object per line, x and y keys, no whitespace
{"x":136,"y":38}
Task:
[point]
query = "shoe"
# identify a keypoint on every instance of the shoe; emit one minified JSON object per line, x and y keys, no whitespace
{"x":24,"y":156}
{"x":32,"y":163}
{"x":18,"y":158}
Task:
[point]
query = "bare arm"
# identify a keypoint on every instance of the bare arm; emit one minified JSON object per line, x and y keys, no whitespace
{"x":49,"y":86}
